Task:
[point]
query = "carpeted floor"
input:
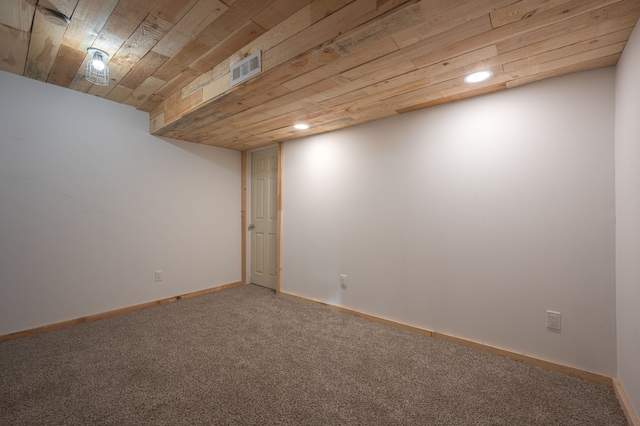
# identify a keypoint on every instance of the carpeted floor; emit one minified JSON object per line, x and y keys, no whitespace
{"x":243,"y":356}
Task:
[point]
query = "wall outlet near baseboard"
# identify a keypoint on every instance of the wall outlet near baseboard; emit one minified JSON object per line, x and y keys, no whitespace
{"x":553,"y":320}
{"x":343,"y":281}
{"x":158,"y":276}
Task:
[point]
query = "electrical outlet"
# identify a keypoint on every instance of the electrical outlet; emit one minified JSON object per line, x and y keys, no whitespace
{"x":158,"y":276}
{"x":553,"y":320}
{"x":343,"y":281}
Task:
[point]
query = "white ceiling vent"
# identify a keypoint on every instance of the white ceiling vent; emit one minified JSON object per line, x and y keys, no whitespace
{"x":248,"y":67}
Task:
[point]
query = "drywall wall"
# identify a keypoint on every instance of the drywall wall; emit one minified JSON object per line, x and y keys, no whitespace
{"x":471,"y":219}
{"x":91,"y":206}
{"x":627,"y":161}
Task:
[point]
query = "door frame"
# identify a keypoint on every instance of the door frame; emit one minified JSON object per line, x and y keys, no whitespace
{"x":246,"y":159}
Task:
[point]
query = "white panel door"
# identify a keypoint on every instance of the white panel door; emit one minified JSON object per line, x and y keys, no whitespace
{"x":264,"y":198}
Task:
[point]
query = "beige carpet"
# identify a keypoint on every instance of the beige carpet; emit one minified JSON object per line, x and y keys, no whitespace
{"x":243,"y":356}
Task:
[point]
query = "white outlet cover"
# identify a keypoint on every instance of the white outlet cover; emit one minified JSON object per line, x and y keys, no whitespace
{"x":158,"y":276}
{"x":343,"y":281}
{"x":553,"y":320}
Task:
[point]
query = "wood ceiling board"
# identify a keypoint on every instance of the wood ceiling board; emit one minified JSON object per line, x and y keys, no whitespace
{"x":351,"y":89}
{"x":231,"y":20}
{"x":143,"y":69}
{"x":284,"y":30}
{"x":179,"y":81}
{"x":521,"y":10}
{"x":438,"y":17}
{"x":465,"y":64}
{"x":307,"y":62}
{"x":182,"y":60}
{"x":89,"y":17}
{"x":592,"y":33}
{"x":439,"y":100}
{"x":172,"y":11}
{"x":65,"y":66}
{"x":373,"y":31}
{"x":197,"y":19}
{"x":251,"y":104}
{"x":201,"y":15}
{"x":150,"y":103}
{"x":567,"y":61}
{"x":119,"y":94}
{"x":146,"y":89}
{"x":123,"y":21}
{"x":467,"y":55}
{"x":623,"y":13}
{"x":278,"y":11}
{"x":249,"y":91}
{"x":15,"y":45}
{"x":320,"y":9}
{"x":450,"y":42}
{"x":222,"y":51}
{"x":187,"y":103}
{"x":334,"y":63}
{"x":43,"y":47}
{"x":17,"y":14}
{"x":606,"y":61}
{"x":347,"y":18}
{"x":148,"y":33}
{"x":536,"y":55}
{"x":334,"y":69}
{"x":292,"y":102}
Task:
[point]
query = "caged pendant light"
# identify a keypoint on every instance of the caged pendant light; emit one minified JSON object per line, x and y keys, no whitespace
{"x":97,"y":71}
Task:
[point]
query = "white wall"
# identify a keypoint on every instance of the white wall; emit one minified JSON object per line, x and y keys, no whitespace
{"x":91,"y":205}
{"x":628,"y":218}
{"x":471,"y":218}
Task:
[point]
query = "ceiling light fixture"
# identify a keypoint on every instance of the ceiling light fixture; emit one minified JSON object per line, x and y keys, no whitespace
{"x":301,"y":126}
{"x":477,"y":77}
{"x":97,"y":71}
{"x":54,"y":17}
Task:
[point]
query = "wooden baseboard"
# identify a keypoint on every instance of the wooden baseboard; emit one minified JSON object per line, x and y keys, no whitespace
{"x":571,"y":371}
{"x":56,"y":326}
{"x":629,"y":412}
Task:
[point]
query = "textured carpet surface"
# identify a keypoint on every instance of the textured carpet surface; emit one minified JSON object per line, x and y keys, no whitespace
{"x":245,"y":356}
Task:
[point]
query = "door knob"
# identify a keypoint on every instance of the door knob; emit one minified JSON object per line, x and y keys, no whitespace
{"x":250,"y":228}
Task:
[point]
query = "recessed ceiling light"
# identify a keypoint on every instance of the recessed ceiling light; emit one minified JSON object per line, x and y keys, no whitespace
{"x":54,"y":17}
{"x":301,"y":126}
{"x":477,"y":77}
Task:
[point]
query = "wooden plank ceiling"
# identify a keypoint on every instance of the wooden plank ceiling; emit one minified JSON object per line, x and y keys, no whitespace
{"x":329,"y":63}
